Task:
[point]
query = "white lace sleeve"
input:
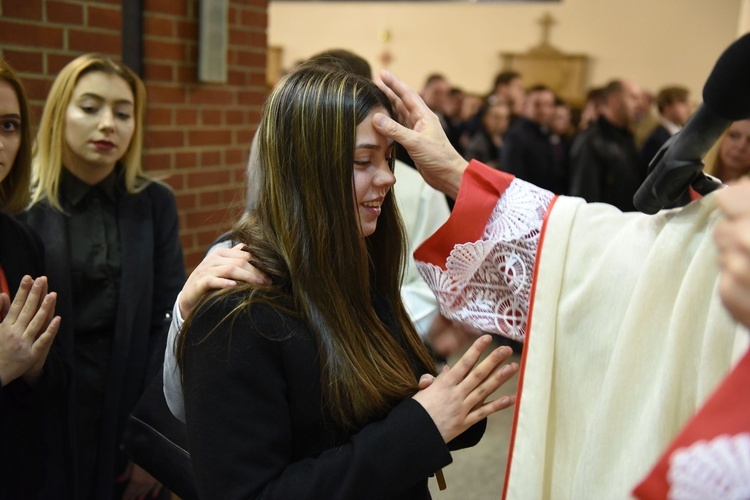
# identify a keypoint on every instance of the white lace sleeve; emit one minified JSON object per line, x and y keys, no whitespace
{"x":487,"y":283}
{"x":719,"y":468}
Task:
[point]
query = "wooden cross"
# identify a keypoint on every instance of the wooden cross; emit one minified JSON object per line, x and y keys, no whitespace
{"x":546,"y":22}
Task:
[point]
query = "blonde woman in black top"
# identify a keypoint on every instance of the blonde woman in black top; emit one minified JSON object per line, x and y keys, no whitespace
{"x":115,"y":259}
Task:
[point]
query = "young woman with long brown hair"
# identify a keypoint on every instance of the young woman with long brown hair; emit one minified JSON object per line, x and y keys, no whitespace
{"x":309,"y":387}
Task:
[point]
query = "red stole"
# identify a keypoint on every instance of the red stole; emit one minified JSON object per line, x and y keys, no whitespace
{"x":706,"y":459}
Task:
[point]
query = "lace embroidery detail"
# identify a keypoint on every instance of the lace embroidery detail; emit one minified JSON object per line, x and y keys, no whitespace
{"x":487,"y":283}
{"x":719,"y":468}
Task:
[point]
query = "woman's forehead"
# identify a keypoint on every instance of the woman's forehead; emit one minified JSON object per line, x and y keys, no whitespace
{"x":367,"y":136}
{"x":104,"y":85}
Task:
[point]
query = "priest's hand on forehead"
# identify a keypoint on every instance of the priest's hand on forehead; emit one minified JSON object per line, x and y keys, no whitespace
{"x":421,"y":135}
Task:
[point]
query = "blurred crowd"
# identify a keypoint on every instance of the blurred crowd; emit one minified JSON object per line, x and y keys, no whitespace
{"x":598,"y":149}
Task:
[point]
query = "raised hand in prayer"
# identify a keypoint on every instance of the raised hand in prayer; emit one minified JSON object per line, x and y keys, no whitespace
{"x":27,"y":330}
{"x":457,"y":398}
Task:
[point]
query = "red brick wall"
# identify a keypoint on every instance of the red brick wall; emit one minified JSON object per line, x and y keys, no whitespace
{"x":197,"y":135}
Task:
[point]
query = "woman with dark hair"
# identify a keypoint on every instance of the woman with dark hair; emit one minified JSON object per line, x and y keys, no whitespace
{"x":115,"y":258}
{"x":27,"y":327}
{"x":309,"y":387}
{"x":487,"y":142}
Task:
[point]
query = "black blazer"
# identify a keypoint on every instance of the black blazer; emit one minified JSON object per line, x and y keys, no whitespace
{"x":24,"y":448}
{"x":152,"y":274}
{"x":21,"y":252}
{"x":655,"y":141}
{"x":258,"y":429}
{"x":606,"y":166}
{"x":529,"y":155}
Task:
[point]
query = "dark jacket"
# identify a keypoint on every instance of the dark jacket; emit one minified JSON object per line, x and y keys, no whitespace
{"x":655,"y":141}
{"x":258,"y":429}
{"x":24,"y":448}
{"x":21,"y":251}
{"x":605,"y":165}
{"x":528,"y":154}
{"x":481,"y":148}
{"x":152,"y":274}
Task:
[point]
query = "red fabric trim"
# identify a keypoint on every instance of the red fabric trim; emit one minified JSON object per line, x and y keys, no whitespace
{"x":481,"y":187}
{"x":4,"y":288}
{"x":526,"y":346}
{"x":727,"y":411}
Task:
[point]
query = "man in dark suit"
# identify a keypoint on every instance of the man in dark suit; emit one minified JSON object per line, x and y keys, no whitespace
{"x":604,"y":163}
{"x":508,"y":87}
{"x":674,"y":111}
{"x":527,"y":150}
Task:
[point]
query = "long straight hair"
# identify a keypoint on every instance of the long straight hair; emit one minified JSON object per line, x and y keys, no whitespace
{"x":50,"y":141}
{"x":305,"y":235}
{"x":14,"y":189}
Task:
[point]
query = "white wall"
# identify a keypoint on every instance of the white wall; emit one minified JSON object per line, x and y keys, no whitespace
{"x":744,"y":23}
{"x":655,"y":42}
